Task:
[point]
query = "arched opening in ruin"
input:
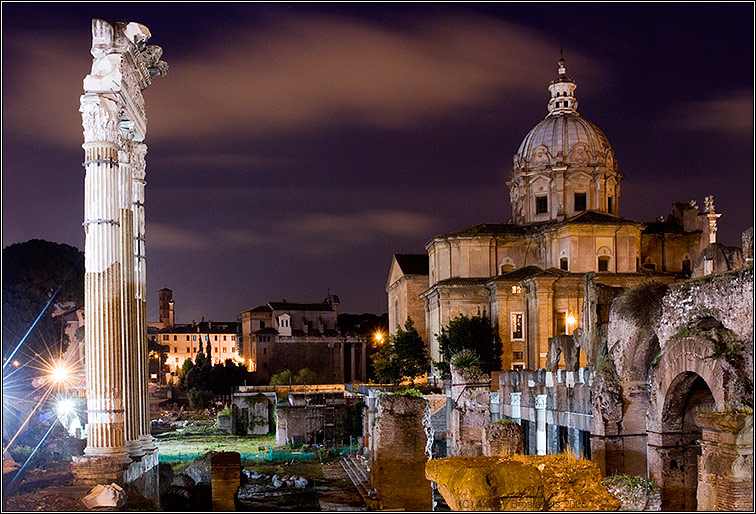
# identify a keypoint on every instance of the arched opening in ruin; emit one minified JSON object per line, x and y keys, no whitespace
{"x":688,"y":394}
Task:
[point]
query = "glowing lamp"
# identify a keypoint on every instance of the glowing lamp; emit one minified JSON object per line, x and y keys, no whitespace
{"x":59,"y":374}
{"x":378,"y":337}
{"x":571,"y":319}
{"x":65,"y":406}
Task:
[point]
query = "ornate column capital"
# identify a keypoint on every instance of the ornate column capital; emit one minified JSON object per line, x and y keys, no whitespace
{"x":99,"y":118}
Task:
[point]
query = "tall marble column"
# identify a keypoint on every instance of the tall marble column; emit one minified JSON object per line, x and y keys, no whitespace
{"x":131,"y":391}
{"x":103,"y":275}
{"x":138,"y":153}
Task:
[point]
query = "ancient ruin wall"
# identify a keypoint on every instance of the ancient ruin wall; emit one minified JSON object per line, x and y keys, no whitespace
{"x":402,"y":438}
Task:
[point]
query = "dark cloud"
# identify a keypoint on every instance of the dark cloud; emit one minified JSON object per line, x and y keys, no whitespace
{"x":295,"y":148}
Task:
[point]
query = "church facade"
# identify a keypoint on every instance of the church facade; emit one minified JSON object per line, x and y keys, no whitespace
{"x":526,"y":275}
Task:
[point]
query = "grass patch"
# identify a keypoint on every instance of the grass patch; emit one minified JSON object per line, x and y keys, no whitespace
{"x":177,"y":443}
{"x":635,"y":482}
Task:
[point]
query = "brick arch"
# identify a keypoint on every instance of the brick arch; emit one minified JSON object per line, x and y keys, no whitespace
{"x":686,"y":355}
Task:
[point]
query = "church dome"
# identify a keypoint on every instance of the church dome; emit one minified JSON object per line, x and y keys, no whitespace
{"x":553,"y":140}
{"x":565,"y":165}
{"x":564,"y":137}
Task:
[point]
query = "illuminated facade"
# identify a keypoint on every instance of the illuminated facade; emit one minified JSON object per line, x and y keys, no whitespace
{"x":526,"y":274}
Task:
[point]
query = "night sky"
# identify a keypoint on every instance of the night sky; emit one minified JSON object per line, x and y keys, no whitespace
{"x":294,"y":148}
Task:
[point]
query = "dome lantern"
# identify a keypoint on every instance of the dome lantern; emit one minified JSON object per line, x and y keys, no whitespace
{"x":565,"y":164}
{"x":562,"y":93}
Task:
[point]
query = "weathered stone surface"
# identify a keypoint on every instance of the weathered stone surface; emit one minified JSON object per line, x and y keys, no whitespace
{"x":402,"y":439}
{"x":725,"y":474}
{"x":521,"y":482}
{"x":225,"y":470}
{"x":199,"y":469}
{"x":503,"y":439}
{"x":562,"y":345}
{"x":471,"y":396}
{"x":487,"y":483}
{"x":636,"y":497}
{"x":105,"y":496}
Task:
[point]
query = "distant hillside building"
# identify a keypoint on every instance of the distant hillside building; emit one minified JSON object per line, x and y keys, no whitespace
{"x":283,"y":335}
{"x":526,"y":275}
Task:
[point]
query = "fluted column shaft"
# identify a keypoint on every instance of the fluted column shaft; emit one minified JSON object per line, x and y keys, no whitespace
{"x":132,"y":418}
{"x":139,"y":151}
{"x":102,"y":295}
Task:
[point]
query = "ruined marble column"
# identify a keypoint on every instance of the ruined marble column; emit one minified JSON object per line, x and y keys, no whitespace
{"x":131,"y":390}
{"x":115,"y":125}
{"x":139,"y":151}
{"x":102,"y":285}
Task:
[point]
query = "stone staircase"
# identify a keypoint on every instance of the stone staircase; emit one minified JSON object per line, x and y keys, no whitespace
{"x":358,"y":474}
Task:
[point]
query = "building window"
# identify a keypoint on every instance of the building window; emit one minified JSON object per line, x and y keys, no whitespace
{"x":609,"y":204}
{"x":686,"y":265}
{"x":165,"y":337}
{"x":561,"y":323}
{"x":516,"y":325}
{"x":516,"y":289}
{"x":194,"y":338}
{"x":564,"y":264}
{"x":566,"y":103}
{"x":216,"y":349}
{"x":542,"y":205}
{"x":177,"y":360}
{"x":557,"y":104}
{"x":187,"y":338}
{"x":262,"y":324}
{"x":233,"y":338}
{"x":175,"y":338}
{"x":194,"y":349}
{"x":265,"y":351}
{"x":175,"y":350}
{"x":265,"y":364}
{"x":224,"y":349}
{"x":187,"y":349}
{"x":581,"y":201}
{"x":224,"y":338}
{"x":603,"y":263}
{"x":215,"y":337}
{"x":518,"y":367}
{"x":517,"y":356}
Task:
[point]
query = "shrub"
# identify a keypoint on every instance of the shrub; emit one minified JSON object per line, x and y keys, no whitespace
{"x":643,"y":302}
{"x":199,"y":399}
{"x":468,"y":362}
{"x":410,"y":392}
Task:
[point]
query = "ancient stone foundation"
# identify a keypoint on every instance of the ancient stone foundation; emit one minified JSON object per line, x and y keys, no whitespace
{"x":402,"y":438}
{"x":502,"y":439}
{"x":523,"y":482}
{"x":725,"y":467}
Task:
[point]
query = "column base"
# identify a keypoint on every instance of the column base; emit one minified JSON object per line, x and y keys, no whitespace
{"x":92,"y":470}
{"x":135,"y":449}
{"x":147,"y":443}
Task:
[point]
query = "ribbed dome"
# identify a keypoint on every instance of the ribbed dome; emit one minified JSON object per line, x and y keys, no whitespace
{"x":559,"y":133}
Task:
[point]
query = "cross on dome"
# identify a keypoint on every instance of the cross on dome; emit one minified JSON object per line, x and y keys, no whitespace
{"x":562,"y":91}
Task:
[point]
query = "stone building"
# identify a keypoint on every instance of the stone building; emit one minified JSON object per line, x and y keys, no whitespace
{"x":186,"y":340}
{"x":285,"y":335}
{"x":526,"y":274}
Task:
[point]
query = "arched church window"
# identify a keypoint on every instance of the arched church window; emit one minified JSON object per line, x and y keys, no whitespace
{"x":603,"y":263}
{"x":564,"y":264}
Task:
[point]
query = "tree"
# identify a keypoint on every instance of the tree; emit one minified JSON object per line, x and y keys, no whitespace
{"x":306,"y":376}
{"x":33,"y":272}
{"x":474,"y":333}
{"x":403,"y":356}
{"x":286,"y":377}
